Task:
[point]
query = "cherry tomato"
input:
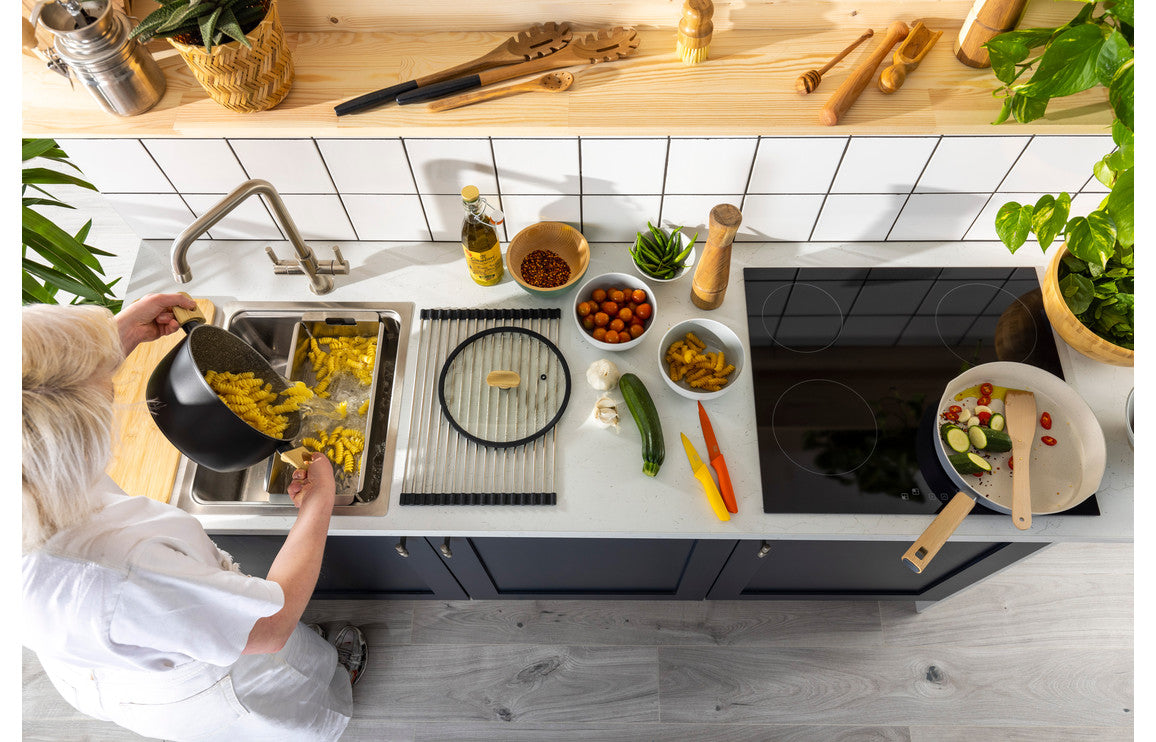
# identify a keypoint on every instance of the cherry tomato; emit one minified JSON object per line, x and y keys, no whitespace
{"x":618,"y":296}
{"x":610,"y":307}
{"x":1011,"y":463}
{"x":588,"y":322}
{"x":986,"y":389}
{"x":1048,"y":440}
{"x":585,"y":308}
{"x":598,"y":295}
{"x":611,"y":336}
{"x":644,"y":311}
{"x":616,"y":324}
{"x":1046,"y":421}
{"x":636,"y":320}
{"x":985,"y":401}
{"x":955,"y":408}
{"x":984,"y":417}
{"x":599,"y":333}
{"x":636,"y":331}
{"x":601,"y":319}
{"x":977,"y":474}
{"x":625,"y":314}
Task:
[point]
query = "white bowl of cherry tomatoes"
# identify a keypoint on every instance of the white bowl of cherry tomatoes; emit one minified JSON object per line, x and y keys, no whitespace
{"x":614,"y":311}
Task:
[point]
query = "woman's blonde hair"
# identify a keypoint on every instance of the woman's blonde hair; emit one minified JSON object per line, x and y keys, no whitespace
{"x":69,"y":354}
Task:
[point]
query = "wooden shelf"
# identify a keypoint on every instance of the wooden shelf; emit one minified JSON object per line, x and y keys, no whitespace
{"x":747,"y":87}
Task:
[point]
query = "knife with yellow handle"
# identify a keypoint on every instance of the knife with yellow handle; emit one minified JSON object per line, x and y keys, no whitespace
{"x":702,"y":474}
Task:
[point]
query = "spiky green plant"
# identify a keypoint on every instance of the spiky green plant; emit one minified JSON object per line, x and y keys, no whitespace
{"x":202,"y":22}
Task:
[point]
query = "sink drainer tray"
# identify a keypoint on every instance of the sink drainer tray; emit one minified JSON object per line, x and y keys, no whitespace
{"x":442,"y":466}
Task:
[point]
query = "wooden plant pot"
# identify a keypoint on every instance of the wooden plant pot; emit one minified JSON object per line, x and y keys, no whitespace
{"x":1070,"y":329}
{"x":245,"y":79}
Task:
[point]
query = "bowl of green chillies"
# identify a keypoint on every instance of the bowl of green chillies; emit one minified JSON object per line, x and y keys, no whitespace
{"x":661,"y":255}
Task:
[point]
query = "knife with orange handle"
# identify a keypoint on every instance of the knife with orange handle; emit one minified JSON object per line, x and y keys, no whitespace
{"x":703,"y":475}
{"x":717,"y":462}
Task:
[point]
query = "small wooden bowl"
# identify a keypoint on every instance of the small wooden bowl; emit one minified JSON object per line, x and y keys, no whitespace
{"x":1069,"y":328}
{"x":561,"y":239}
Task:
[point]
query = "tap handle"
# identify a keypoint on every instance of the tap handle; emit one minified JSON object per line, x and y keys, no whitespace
{"x":340,"y":260}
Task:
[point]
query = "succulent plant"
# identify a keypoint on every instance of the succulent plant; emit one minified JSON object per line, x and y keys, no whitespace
{"x":202,"y":22}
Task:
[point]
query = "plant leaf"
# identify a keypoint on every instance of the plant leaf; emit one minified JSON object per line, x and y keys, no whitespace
{"x":1049,"y":217}
{"x":1122,"y":94}
{"x":208,"y":25}
{"x":1012,"y":223}
{"x":1091,"y":238}
{"x":32,"y":148}
{"x":1121,"y":9}
{"x":1077,"y":291}
{"x":47,"y":176}
{"x":1113,"y":53}
{"x":1025,"y":108}
{"x":1068,"y":64}
{"x":229,"y":25}
{"x":1121,"y":203}
{"x":62,"y":281}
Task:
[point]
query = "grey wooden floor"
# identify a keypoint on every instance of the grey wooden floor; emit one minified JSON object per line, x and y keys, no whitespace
{"x":1042,"y":651}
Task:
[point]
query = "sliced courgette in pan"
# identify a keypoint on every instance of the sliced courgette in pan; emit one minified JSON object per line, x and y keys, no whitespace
{"x":986,"y":439}
{"x":969,"y":463}
{"x":996,"y":422}
{"x":955,"y":437}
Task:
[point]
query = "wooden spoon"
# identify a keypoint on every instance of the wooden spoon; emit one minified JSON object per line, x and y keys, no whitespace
{"x":1020,"y":416}
{"x":604,"y":46}
{"x":551,"y":82}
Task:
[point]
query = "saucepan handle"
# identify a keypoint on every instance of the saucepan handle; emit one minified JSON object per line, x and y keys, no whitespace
{"x":936,"y":535}
{"x":185,"y":316}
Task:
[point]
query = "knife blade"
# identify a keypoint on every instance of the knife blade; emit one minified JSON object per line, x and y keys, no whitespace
{"x":717,"y":462}
{"x":703,"y":476}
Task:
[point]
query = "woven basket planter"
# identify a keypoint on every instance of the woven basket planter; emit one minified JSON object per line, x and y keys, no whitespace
{"x":1069,"y":327}
{"x":245,"y":79}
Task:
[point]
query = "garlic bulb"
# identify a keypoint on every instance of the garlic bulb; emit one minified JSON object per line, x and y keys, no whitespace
{"x":606,"y":412}
{"x":602,"y":375}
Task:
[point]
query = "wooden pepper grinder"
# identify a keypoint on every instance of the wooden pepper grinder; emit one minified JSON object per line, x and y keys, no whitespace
{"x":712,"y":273}
{"x":987,"y":19}
{"x":695,"y":30}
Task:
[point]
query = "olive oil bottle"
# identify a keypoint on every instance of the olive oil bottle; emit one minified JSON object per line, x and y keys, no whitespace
{"x":480,"y":238}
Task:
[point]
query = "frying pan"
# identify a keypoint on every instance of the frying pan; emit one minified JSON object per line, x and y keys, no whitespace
{"x":1063,"y":476}
{"x":190,"y":414}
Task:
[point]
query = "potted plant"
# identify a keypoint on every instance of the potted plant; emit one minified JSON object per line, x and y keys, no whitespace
{"x":1089,"y":291}
{"x":52,"y":260}
{"x":235,"y":48}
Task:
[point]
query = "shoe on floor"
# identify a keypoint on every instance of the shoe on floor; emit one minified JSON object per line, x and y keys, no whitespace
{"x":352,"y":651}
{"x":319,"y":629}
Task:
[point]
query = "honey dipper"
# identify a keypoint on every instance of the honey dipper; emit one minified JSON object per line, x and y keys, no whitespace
{"x":809,"y":80}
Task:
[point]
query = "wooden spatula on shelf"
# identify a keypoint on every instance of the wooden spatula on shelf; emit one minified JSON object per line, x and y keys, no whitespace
{"x":1020,"y":416}
{"x":603,"y":46}
{"x":539,"y":40}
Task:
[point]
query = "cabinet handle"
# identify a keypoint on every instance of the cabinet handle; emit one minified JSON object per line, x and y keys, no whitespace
{"x":766,"y":549}
{"x":445,"y":549}
{"x":400,"y":548}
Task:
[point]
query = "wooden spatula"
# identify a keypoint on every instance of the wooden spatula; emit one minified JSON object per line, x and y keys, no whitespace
{"x":539,"y":40}
{"x":604,"y":46}
{"x":1020,"y":415}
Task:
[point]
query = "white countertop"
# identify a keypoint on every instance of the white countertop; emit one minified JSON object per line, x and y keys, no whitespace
{"x":601,"y":489}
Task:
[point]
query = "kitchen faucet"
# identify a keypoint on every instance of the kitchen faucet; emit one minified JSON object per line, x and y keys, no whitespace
{"x":317,"y":270}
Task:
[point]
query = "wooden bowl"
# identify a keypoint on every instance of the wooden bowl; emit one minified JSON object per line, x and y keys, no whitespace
{"x":1070,"y":329}
{"x":561,"y":239}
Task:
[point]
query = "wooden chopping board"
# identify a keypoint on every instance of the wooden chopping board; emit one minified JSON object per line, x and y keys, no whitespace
{"x":143,"y":461}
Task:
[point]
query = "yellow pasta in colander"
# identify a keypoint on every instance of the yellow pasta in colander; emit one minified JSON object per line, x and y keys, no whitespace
{"x":253,"y":401}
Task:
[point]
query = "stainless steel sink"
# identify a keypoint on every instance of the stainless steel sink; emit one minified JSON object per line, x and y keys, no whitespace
{"x":268,"y":327}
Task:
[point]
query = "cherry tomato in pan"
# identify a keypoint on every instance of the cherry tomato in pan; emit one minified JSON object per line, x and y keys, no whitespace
{"x":984,"y":417}
{"x":985,"y":401}
{"x":1046,"y":421}
{"x":1048,"y":440}
{"x":986,"y":389}
{"x":955,"y":408}
{"x":977,"y":474}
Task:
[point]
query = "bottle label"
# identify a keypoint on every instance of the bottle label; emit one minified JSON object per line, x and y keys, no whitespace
{"x":486,"y":266}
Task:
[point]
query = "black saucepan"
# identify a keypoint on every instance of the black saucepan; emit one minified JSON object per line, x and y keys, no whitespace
{"x":190,"y":414}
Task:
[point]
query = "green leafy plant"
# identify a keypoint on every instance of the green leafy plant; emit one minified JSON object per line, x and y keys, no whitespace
{"x":202,"y":22}
{"x":1097,"y":275}
{"x":59,"y":261}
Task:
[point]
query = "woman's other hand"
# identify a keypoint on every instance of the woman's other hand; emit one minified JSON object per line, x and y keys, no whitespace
{"x":314,"y":487}
{"x":149,"y":318}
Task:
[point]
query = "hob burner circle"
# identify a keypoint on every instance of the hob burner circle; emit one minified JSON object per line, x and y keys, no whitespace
{"x":795,"y":409}
{"x":958,"y":305}
{"x":815,"y":315}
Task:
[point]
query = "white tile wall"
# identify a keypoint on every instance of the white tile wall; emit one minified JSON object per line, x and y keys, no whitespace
{"x":796,"y":164}
{"x":626,"y":166}
{"x":789,"y":188}
{"x":367,"y":165}
{"x":445,"y":166}
{"x":882,"y":164}
{"x":538,"y":166}
{"x":291,"y":165}
{"x":709,"y":165}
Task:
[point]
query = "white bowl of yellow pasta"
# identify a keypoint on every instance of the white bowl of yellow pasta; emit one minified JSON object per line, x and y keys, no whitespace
{"x":700,"y":358}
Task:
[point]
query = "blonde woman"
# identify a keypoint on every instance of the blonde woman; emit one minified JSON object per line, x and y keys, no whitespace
{"x":136,"y":616}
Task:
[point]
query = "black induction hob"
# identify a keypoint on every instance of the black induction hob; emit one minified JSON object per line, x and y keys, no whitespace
{"x":848,"y":363}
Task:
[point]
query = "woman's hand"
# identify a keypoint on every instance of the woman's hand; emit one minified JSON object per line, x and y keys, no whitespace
{"x":149,"y":318}
{"x":314,"y":487}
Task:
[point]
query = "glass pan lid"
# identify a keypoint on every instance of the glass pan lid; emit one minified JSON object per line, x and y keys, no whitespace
{"x":504,"y":386}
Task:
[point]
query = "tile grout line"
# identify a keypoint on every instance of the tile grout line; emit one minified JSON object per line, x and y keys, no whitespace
{"x":245,"y":170}
{"x":899,"y":213}
{"x":336,"y":190}
{"x":416,"y":188}
{"x":827,"y":194}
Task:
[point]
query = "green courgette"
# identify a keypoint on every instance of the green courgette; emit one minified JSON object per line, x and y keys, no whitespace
{"x":646,"y":418}
{"x":987,"y":439}
{"x":955,"y":437}
{"x":996,"y":422}
{"x":969,"y":463}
